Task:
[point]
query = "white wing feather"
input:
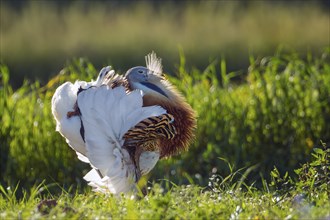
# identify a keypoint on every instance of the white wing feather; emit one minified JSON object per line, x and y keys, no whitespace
{"x":107,"y":114}
{"x":63,"y":101}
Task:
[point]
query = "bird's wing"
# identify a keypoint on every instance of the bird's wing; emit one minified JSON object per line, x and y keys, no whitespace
{"x":70,"y":129}
{"x":63,"y":101}
{"x":107,"y":114}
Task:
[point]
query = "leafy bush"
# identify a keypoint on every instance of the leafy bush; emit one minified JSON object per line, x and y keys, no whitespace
{"x":273,"y":117}
{"x":315,"y":176}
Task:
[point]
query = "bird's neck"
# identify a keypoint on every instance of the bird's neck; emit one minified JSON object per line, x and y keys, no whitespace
{"x":184,"y":122}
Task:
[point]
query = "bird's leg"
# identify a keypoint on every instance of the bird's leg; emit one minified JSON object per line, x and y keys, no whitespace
{"x":138,"y":173}
{"x":134,"y":151}
{"x":137,"y":155}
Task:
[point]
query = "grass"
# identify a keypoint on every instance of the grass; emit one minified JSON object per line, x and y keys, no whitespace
{"x":305,"y":198}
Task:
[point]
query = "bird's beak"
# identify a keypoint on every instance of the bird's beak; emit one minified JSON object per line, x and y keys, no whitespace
{"x":152,"y":80}
{"x":154,"y":88}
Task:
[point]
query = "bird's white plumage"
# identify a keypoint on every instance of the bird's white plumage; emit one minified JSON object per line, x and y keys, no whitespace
{"x":148,"y":160}
{"x":106,"y":114}
{"x":63,"y":101}
{"x":154,"y":63}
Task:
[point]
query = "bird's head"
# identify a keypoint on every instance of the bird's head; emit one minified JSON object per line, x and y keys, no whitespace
{"x":149,"y":79}
{"x":146,"y":80}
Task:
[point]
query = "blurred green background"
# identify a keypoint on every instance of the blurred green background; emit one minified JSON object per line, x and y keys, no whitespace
{"x":38,"y":37}
{"x":256,"y":72}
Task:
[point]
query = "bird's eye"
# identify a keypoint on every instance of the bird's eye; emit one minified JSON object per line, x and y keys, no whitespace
{"x":140,"y":71}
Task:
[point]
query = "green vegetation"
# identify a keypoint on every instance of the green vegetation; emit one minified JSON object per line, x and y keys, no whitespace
{"x":255,"y":129}
{"x":280,"y":110}
{"x":37,"y":39}
{"x":307,"y":198}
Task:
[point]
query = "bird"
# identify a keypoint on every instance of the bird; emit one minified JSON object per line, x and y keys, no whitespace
{"x":122,"y":125}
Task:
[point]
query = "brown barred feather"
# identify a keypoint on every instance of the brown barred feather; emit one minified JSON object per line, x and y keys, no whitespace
{"x":151,"y":128}
{"x":146,"y":136}
{"x":184,"y":122}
